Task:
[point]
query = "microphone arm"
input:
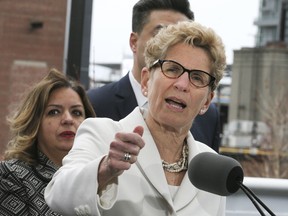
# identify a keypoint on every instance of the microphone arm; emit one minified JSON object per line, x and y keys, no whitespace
{"x":254,"y":199}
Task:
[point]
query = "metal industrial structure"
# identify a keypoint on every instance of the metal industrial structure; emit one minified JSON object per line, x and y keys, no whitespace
{"x":272,"y":22}
{"x":257,"y":127}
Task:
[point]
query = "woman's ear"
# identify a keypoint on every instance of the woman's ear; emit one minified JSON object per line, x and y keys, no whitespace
{"x":207,"y":103}
{"x":145,"y":75}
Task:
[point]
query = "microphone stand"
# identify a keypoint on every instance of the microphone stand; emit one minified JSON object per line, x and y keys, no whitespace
{"x":255,"y":199}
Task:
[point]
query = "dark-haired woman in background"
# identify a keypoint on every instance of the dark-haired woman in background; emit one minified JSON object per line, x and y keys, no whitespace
{"x":43,"y":130}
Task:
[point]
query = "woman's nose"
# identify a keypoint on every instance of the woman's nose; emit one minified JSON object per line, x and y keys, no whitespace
{"x":67,"y":118}
{"x":182,"y":83}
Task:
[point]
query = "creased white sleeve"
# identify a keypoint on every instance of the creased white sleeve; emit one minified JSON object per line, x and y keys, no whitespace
{"x":74,"y":186}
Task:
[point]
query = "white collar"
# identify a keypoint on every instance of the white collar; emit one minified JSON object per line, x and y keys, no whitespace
{"x":141,"y":99}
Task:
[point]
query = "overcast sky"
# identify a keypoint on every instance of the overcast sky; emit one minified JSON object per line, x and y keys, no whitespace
{"x":233,"y":20}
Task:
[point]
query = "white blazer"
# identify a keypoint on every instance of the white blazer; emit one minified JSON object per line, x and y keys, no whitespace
{"x":141,"y":190}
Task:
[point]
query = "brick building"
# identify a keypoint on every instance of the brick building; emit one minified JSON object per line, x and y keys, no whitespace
{"x":32,"y":40}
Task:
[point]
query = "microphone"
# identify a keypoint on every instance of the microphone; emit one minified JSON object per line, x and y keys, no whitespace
{"x":215,"y":173}
{"x":221,"y":175}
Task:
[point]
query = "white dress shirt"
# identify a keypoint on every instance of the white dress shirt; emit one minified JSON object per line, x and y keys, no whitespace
{"x":141,"y":99}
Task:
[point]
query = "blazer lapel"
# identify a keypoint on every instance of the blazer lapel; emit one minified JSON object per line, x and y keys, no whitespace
{"x":125,"y":97}
{"x":149,"y":161}
{"x":187,"y":192}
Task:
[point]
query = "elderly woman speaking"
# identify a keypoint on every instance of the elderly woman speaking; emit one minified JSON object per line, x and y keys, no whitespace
{"x":138,"y":166}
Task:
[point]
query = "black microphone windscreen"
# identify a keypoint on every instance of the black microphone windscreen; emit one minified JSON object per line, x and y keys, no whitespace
{"x":215,"y":173}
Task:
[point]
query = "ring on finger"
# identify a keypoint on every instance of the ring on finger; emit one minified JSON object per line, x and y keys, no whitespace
{"x":127,"y":156}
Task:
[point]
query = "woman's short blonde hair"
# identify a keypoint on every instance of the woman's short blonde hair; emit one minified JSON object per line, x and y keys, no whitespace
{"x":25,"y":123}
{"x":191,"y":33}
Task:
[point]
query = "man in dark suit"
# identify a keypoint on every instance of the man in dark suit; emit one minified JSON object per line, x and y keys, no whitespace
{"x":118,"y":99}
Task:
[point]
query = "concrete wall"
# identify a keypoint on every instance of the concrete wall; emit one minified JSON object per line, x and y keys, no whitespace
{"x":259,"y":74}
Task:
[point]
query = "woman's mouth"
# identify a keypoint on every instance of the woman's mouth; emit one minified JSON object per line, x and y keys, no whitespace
{"x":175,"y":103}
{"x":67,"y":134}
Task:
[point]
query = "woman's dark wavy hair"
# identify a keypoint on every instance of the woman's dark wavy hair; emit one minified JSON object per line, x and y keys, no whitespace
{"x":25,"y":123}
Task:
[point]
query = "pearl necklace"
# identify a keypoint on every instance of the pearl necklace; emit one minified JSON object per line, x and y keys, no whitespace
{"x":180,"y":165}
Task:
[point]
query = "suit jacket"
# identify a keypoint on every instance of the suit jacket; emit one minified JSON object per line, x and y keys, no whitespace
{"x":116,"y":100}
{"x":141,"y":190}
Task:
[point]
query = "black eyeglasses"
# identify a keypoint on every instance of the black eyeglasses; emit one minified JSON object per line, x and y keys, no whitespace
{"x":174,"y":70}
